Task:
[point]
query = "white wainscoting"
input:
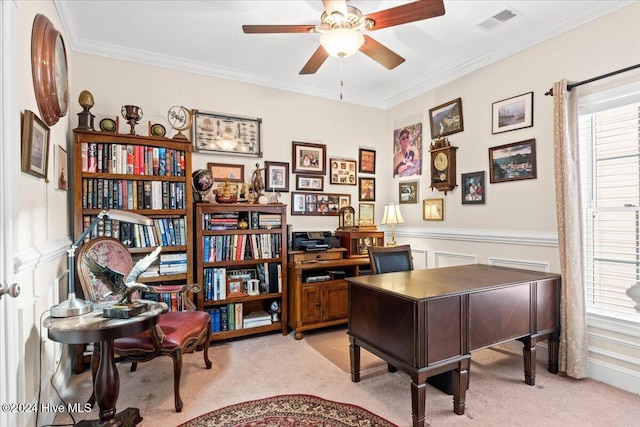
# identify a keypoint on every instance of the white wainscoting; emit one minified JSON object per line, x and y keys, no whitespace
{"x":419,"y":259}
{"x":515,"y":263}
{"x":451,"y":259}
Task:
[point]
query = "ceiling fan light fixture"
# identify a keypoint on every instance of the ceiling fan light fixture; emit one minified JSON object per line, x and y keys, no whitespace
{"x":341,"y":42}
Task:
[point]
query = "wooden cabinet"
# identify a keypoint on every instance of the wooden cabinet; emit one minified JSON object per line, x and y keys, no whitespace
{"x":318,"y":291}
{"x":240,"y":255}
{"x":356,"y":242}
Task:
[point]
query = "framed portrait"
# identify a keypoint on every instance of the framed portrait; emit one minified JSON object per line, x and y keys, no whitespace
{"x":277,"y":176}
{"x":408,"y":192}
{"x":35,"y":145}
{"x":60,"y":158}
{"x":308,"y":158}
{"x":446,"y":119}
{"x":367,"y":189}
{"x":235,"y":287}
{"x":512,"y":113}
{"x":310,"y":182}
{"x":223,"y":134}
{"x":318,"y":204}
{"x":343,"y":172}
{"x":226,"y":171}
{"x":473,"y":188}
{"x":366,"y":213}
{"x":407,"y":151}
{"x":513,"y":162}
{"x":366,"y":160}
{"x":433,"y":209}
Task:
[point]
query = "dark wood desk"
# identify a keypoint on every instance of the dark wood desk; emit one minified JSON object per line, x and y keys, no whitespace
{"x":426,"y":322}
{"x":92,"y":327}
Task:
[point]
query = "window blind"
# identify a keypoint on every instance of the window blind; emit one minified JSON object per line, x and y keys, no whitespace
{"x":609,"y":133}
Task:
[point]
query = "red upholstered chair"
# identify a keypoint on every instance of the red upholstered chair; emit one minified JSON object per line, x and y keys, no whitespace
{"x":176,"y":333}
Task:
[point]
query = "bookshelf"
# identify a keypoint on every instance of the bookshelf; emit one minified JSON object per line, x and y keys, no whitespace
{"x":240,"y":262}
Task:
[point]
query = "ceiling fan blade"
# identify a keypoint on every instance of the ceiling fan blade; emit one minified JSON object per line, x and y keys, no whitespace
{"x":380,"y":53}
{"x":316,"y":60}
{"x":410,"y":12}
{"x":266,"y":29}
{"x":331,"y":6}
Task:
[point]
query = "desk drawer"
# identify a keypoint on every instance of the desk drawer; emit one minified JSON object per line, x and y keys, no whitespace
{"x":316,"y":256}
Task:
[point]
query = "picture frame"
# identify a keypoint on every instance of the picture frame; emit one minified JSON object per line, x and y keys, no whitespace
{"x":367,"y":189}
{"x":35,"y":145}
{"x":366,"y":160}
{"x":433,"y":209}
{"x":277,"y":176}
{"x":512,"y":113}
{"x":446,"y":119}
{"x":366,"y":213}
{"x":308,"y":158}
{"x":408,"y":192}
{"x":310,"y":182}
{"x":226,"y":171}
{"x":217,"y":133}
{"x":407,"y":151}
{"x":513,"y":162}
{"x":343,"y":172}
{"x":62,"y":177}
{"x":235,"y":287}
{"x":318,"y":204}
{"x":473,"y":188}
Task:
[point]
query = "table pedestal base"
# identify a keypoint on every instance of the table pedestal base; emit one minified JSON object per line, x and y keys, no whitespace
{"x":130,"y":417}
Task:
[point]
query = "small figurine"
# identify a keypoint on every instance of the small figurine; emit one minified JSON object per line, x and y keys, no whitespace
{"x":257,"y":183}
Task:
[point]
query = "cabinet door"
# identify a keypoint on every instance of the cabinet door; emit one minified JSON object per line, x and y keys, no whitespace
{"x":310,"y":304}
{"x":335,"y":302}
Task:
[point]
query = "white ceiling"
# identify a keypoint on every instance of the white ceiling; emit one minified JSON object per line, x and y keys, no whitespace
{"x":206,"y":37}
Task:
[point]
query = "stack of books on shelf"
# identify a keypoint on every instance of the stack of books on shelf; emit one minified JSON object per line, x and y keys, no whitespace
{"x":164,"y":232}
{"x":171,"y":264}
{"x":131,"y":159}
{"x":106,"y":193}
{"x":238,"y":247}
{"x":220,"y":221}
{"x":255,"y":319}
{"x":171,"y":231}
{"x":215,"y":284}
{"x":227,"y":317}
{"x":269,"y":221}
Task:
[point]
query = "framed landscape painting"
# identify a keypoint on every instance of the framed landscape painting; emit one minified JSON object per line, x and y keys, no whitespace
{"x":512,"y":113}
{"x":446,"y":119}
{"x":513,"y":162}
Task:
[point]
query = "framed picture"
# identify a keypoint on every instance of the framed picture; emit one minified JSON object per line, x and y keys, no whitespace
{"x":60,"y":158}
{"x":226,"y":171}
{"x":235,"y":287}
{"x":446,"y":119}
{"x":319,"y":204}
{"x":512,"y":113}
{"x":407,"y":151}
{"x":277,"y":176}
{"x":366,"y":213}
{"x":343,"y":172}
{"x":367,"y":189}
{"x":35,"y":145}
{"x":310,"y":182}
{"x":366,"y":160}
{"x":222,"y":134}
{"x":308,"y":158}
{"x":513,"y":162}
{"x":433,"y":209}
{"x":473,"y":188}
{"x":408,"y":192}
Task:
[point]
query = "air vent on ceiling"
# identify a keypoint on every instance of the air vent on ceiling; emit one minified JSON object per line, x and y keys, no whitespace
{"x":497,"y":19}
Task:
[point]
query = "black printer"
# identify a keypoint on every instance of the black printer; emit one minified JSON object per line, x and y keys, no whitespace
{"x":310,"y":241}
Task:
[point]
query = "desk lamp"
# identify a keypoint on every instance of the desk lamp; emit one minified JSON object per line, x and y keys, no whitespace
{"x":392,"y":216}
{"x":73,"y":306}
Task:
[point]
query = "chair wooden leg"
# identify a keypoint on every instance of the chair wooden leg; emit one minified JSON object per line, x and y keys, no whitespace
{"x":134,"y":366}
{"x":205,"y":348}
{"x":176,"y":355}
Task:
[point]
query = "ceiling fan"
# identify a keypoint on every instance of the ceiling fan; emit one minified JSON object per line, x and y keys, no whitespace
{"x":340,"y":28}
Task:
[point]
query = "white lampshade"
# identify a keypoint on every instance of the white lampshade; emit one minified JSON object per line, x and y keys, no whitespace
{"x":392,"y":215}
{"x":341,"y":42}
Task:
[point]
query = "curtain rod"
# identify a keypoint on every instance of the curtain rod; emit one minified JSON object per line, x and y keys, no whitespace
{"x":604,"y":76}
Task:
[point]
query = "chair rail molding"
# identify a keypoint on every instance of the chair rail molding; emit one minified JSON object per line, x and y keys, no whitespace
{"x":525,"y":238}
{"x":31,"y":258}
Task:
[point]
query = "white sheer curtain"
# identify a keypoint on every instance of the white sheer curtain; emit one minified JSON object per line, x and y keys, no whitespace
{"x":573,"y":336}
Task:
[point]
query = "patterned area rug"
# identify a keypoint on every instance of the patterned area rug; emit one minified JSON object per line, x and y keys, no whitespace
{"x":294,"y":410}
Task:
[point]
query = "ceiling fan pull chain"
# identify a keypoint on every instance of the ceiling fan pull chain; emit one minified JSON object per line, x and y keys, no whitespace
{"x":341,"y":81}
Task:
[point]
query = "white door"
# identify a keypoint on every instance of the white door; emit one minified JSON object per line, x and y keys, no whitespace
{"x":9,"y":159}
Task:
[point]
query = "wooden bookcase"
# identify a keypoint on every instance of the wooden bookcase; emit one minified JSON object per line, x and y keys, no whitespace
{"x":234,"y":243}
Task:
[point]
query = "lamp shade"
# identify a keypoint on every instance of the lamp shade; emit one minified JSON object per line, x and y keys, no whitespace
{"x":392,"y":215}
{"x":341,"y":42}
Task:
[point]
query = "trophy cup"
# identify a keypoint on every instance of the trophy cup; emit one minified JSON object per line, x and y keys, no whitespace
{"x":85,"y":118}
{"x":132,"y":114}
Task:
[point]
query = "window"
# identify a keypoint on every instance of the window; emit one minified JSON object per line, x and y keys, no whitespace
{"x":609,"y":132}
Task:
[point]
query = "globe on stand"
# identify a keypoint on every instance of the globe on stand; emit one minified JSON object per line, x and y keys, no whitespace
{"x":202,"y":183}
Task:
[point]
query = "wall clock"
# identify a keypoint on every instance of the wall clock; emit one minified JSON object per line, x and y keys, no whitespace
{"x":443,"y":166}
{"x":49,"y":70}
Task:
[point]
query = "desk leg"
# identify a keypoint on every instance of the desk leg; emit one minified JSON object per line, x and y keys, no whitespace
{"x":529,"y":356}
{"x":354,"y":354}
{"x":107,"y":385}
{"x":460,"y":376}
{"x":418,"y":398}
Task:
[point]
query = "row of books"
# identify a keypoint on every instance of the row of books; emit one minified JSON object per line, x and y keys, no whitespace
{"x":238,"y":247}
{"x":215,"y":283}
{"x":174,"y":301}
{"x":174,"y":263}
{"x":229,"y":220}
{"x":164,"y":232}
{"x":220,"y":221}
{"x":103,"y":193}
{"x":98,"y":157}
{"x":230,"y":317}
